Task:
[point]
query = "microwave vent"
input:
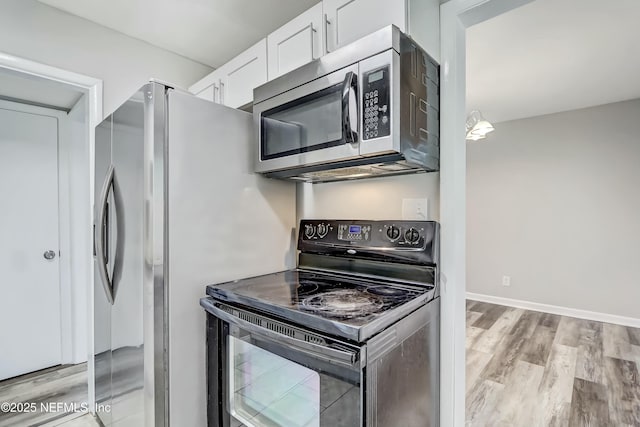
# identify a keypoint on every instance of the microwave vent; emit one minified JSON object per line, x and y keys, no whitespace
{"x":393,"y":167}
{"x":343,"y":173}
{"x":356,"y":172}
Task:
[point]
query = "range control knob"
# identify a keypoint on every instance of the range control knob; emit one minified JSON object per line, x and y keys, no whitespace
{"x":393,"y":233}
{"x":309,"y":230}
{"x":412,"y":235}
{"x":323,"y":229}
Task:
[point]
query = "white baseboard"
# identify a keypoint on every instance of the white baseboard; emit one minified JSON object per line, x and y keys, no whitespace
{"x":555,"y":309}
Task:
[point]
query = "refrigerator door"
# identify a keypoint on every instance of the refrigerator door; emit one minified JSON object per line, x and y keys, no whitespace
{"x":224,"y":222}
{"x":127,"y":367}
{"x":102,"y":260}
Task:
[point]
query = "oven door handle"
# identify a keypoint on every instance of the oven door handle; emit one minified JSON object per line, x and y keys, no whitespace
{"x":327,"y":354}
{"x":350,"y":107}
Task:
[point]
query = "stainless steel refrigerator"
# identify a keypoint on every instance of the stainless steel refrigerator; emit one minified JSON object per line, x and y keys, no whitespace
{"x":177,"y":207}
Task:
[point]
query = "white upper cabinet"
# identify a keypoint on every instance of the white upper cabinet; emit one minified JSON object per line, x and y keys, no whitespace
{"x":297,"y":42}
{"x":208,"y":88}
{"x":233,"y":83}
{"x":242,"y":74}
{"x":207,"y":93}
{"x":348,"y":20}
{"x":325,"y":27}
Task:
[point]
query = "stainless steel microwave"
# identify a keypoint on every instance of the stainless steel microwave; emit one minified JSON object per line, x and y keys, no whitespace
{"x":370,"y":108}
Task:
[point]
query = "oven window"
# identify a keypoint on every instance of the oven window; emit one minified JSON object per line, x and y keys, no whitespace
{"x":306,"y":124}
{"x":268,"y":390}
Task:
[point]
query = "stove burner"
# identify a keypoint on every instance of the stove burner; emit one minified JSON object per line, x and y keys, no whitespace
{"x":306,"y":287}
{"x":343,"y":303}
{"x":386,"y":291}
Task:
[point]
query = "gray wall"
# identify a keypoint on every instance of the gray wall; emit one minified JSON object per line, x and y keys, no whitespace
{"x":31,"y":30}
{"x":554,"y":202}
{"x":373,"y":198}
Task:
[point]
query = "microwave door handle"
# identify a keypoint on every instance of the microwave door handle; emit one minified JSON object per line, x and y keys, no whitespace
{"x":350,"y":107}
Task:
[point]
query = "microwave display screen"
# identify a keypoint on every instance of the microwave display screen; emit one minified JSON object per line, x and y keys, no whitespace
{"x":374,"y":77}
{"x":355,"y":229}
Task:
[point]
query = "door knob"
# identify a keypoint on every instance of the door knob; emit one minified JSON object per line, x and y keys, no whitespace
{"x":49,"y":255}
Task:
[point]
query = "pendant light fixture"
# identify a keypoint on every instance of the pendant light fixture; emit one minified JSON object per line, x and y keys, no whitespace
{"x":477,"y":126}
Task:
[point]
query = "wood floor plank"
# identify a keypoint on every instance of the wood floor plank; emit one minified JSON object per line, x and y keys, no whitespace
{"x":489,"y":341}
{"x":489,"y":317}
{"x":556,"y":387}
{"x":590,"y":352}
{"x":623,"y":389}
{"x":475,"y":363}
{"x":616,"y":342}
{"x":634,"y":335}
{"x":481,"y":402}
{"x":568,"y":332}
{"x":526,"y":324}
{"x":482,"y":307}
{"x":473,"y":336}
{"x":472,"y":316}
{"x":550,"y":321}
{"x":503,"y":362}
{"x":589,"y":405}
{"x":519,"y":396}
{"x":538,"y":347}
{"x":635,"y":349}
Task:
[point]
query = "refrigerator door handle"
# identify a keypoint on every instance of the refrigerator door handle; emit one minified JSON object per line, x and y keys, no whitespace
{"x":100,"y":236}
{"x":120,"y":230}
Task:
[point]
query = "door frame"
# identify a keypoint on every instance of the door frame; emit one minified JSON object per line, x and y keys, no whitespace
{"x":455,"y":17}
{"x":93,"y":95}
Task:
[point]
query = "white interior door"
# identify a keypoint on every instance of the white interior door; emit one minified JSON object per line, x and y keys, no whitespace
{"x":29,"y":268}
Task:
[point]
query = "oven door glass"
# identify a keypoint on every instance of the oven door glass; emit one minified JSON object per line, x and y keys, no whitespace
{"x":267,"y":389}
{"x":274,"y":384}
{"x":323,"y":119}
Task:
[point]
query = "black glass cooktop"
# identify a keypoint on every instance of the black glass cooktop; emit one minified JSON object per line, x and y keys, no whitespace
{"x":321,"y":301}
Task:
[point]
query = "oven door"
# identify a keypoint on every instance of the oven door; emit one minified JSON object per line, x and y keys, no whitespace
{"x":312,"y":124}
{"x":263,"y":372}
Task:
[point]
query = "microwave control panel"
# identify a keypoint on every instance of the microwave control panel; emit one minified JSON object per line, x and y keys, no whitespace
{"x":375,"y":102}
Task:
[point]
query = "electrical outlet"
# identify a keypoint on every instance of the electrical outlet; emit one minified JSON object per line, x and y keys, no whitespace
{"x":506,"y":280}
{"x":415,"y":209}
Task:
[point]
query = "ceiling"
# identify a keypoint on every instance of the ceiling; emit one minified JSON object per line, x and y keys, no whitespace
{"x":208,"y":31}
{"x":545,"y":57}
{"x":554,"y":55}
{"x":34,"y":90}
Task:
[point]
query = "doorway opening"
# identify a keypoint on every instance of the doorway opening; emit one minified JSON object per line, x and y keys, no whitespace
{"x":46,"y":143}
{"x":551,"y":245}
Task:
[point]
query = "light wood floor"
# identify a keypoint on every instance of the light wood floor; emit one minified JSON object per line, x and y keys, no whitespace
{"x":531,"y":369}
{"x":60,"y":384}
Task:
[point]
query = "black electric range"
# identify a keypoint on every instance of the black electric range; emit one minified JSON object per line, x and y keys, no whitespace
{"x":354,"y":278}
{"x":350,"y":337}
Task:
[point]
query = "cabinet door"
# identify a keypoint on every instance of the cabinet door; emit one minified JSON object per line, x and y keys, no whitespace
{"x":348,"y":20}
{"x":208,"y":87}
{"x":296,"y":43}
{"x":208,"y":93}
{"x":242,"y":74}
